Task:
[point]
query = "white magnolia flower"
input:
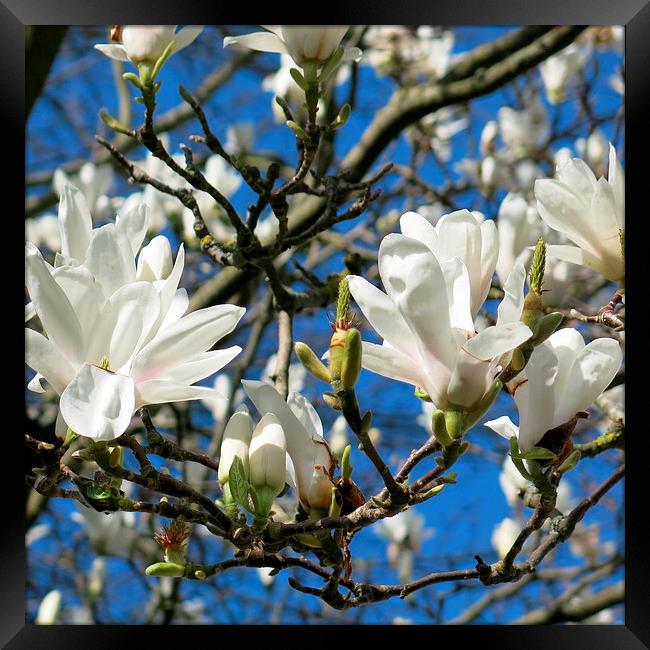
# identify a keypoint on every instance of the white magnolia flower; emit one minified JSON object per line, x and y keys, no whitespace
{"x":112,"y":534}
{"x":101,"y":313}
{"x":504,"y":536}
{"x":303,"y":44}
{"x":589,"y":212}
{"x":267,"y":455}
{"x":562,"y":377}
{"x":311,"y":460}
{"x":146,"y":43}
{"x":460,"y":234}
{"x":48,"y":610}
{"x":93,"y":181}
{"x":525,"y":131}
{"x":406,"y":529}
{"x":559,"y":70}
{"x":427,"y":325}
{"x":405,"y":532}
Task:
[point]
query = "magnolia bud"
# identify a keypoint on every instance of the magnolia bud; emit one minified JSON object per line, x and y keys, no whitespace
{"x":311,"y":362}
{"x":236,"y":439}
{"x":165,"y":569}
{"x":267,"y":455}
{"x":351,"y":363}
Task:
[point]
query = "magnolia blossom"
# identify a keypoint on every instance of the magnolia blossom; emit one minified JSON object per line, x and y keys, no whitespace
{"x":311,"y":459}
{"x":116,"y":335}
{"x":405,"y":532}
{"x":146,"y":43}
{"x":113,"y":534}
{"x":589,"y":212}
{"x":504,"y":536}
{"x":562,"y":377}
{"x":460,"y":234}
{"x":427,"y":51}
{"x":558,"y":71}
{"x":93,"y":181}
{"x":297,"y":374}
{"x":428,"y":328}
{"x":303,"y":44}
{"x":525,"y":131}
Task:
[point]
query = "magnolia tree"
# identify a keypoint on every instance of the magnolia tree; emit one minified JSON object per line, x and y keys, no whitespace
{"x":299,"y":330}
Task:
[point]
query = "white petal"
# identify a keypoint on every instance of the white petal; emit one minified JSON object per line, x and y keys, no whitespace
{"x":124,"y":324}
{"x":535,"y":396}
{"x":504,"y":426}
{"x":416,"y":284}
{"x":185,"y":36}
{"x":184,"y":339}
{"x":388,"y":362}
{"x":179,"y":306}
{"x":52,"y":306}
{"x":592,"y":372}
{"x":35,"y":385}
{"x":44,"y":357}
{"x":134,"y":224}
{"x":75,"y":223}
{"x":417,"y":227}
{"x":261,"y":41}
{"x":382,"y":314}
{"x":110,"y":258}
{"x":155,"y":260}
{"x":114,"y":51}
{"x":496,"y":340}
{"x":306,"y":413}
{"x":512,"y":304}
{"x":161,"y":391}
{"x":85,"y":295}
{"x":458,"y":292}
{"x":204,"y":365}
{"x":30,"y":311}
{"x":577,"y":255}
{"x":98,"y":403}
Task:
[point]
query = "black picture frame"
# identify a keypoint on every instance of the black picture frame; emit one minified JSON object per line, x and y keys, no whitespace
{"x":634,"y":14}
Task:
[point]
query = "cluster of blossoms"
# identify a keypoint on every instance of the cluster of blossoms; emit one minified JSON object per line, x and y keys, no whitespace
{"x":117,"y":334}
{"x":437,"y":278}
